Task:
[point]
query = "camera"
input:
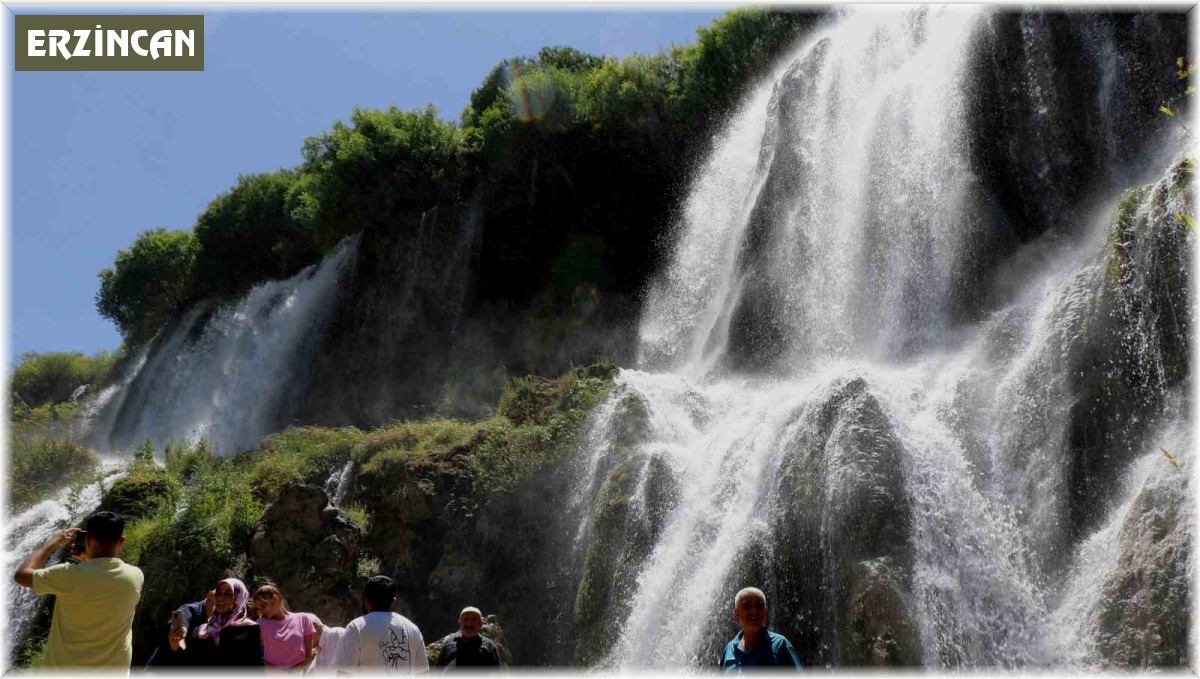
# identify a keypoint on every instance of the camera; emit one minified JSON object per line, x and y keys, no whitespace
{"x":79,"y":545}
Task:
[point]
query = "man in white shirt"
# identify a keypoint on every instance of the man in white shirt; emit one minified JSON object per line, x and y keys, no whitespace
{"x":380,"y":641}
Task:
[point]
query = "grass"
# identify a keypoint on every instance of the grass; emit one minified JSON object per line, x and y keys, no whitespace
{"x":40,"y":465}
{"x":359,"y":515}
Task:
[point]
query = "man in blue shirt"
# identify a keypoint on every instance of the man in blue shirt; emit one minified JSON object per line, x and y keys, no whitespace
{"x":755,"y":645}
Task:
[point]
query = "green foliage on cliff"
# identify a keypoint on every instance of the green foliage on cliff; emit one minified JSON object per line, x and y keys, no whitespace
{"x":42,"y":378}
{"x":149,"y":283}
{"x":39,"y":465}
{"x":535,"y":422}
{"x":44,"y":450}
{"x":249,"y":233}
{"x":558,"y":133}
{"x":383,"y":164}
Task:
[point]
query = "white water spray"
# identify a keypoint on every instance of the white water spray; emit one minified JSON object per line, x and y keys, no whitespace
{"x":228,"y":375}
{"x":918,"y":464}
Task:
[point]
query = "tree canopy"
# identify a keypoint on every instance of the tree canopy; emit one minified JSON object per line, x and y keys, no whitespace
{"x":558,"y":112}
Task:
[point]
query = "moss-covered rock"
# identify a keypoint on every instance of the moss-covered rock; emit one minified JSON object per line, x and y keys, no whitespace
{"x":142,"y":492}
{"x":637,"y":493}
{"x":310,"y":551}
{"x":446,"y":498}
{"x":840,"y":533}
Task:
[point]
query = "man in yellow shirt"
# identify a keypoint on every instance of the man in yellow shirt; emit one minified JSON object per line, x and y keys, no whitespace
{"x":96,"y":598}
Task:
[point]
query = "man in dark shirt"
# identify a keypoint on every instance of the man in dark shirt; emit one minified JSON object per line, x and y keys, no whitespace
{"x":755,"y":645}
{"x":468,"y":648}
{"x":194,"y":615}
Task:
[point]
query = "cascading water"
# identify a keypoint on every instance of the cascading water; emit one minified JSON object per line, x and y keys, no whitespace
{"x":910,"y":480}
{"x":226,"y":375}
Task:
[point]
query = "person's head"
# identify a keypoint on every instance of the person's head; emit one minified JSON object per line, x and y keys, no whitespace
{"x":469,"y":621}
{"x":231,"y":598}
{"x":750,"y":610}
{"x":105,"y":534}
{"x":379,"y":594}
{"x":269,"y":603}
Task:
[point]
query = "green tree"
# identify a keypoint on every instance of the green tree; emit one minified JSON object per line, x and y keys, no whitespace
{"x":567,"y":59}
{"x":727,"y":55}
{"x":149,"y":283}
{"x":383,"y":164}
{"x":248,"y":234}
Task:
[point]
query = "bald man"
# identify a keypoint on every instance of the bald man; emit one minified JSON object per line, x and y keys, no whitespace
{"x":468,"y":648}
{"x":755,"y":645}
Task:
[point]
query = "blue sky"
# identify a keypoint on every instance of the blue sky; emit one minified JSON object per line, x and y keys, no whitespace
{"x":97,"y":158}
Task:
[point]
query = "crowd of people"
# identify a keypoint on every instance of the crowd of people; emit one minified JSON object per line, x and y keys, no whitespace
{"x":97,"y":595}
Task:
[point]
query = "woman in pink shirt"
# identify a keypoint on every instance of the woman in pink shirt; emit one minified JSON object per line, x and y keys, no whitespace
{"x":288,"y":639}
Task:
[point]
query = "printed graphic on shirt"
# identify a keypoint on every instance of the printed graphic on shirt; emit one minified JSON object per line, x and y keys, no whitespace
{"x":395,"y":649}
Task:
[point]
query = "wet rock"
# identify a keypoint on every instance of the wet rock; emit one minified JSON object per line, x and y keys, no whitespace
{"x":759,"y":332}
{"x":1145,"y":613}
{"x":627,"y":516}
{"x":1137,"y":347}
{"x":841,"y":525}
{"x":141,"y":493}
{"x":884,"y":632}
{"x":1058,"y":100}
{"x":310,"y":551}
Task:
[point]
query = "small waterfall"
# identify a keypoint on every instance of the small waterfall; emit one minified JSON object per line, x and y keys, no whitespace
{"x":338,"y":484}
{"x":914,"y":476}
{"x":228,"y":374}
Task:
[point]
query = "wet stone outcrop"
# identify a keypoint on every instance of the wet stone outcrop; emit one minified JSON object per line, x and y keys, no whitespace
{"x":841,"y":533}
{"x":310,"y":551}
{"x":1145,"y":612}
{"x":759,"y":332}
{"x":637,"y":492}
{"x":1060,"y":102}
{"x":1137,"y":350}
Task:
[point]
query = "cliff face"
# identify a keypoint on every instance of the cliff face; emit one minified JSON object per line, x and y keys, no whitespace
{"x":539,"y":266}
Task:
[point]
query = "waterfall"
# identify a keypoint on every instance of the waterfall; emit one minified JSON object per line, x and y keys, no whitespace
{"x":338,"y":484}
{"x":227,"y":374}
{"x":908,"y":431}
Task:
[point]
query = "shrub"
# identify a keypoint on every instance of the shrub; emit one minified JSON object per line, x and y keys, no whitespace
{"x":251,"y":233}
{"x":38,"y":466}
{"x":382,"y":164}
{"x":300,"y":454}
{"x":149,"y":283}
{"x":45,"y":378}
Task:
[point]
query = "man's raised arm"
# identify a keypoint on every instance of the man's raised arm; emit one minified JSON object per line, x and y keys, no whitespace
{"x":38,"y":557}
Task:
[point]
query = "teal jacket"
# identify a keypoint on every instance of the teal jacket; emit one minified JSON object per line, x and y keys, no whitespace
{"x":774,"y":651}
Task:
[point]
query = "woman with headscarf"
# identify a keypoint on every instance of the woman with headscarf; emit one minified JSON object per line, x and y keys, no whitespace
{"x":229,"y":637}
